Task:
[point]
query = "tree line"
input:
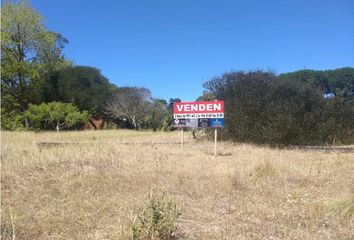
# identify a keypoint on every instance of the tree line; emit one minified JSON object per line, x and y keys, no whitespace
{"x":288,"y":109}
{"x":42,"y":89}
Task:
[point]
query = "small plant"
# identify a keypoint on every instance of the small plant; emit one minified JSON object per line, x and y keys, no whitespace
{"x":343,"y":207}
{"x":156,"y":220}
{"x":237,"y":181}
{"x":265,"y":169}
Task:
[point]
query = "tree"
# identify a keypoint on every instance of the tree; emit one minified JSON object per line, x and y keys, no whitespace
{"x":261,"y":107}
{"x":130,"y":103}
{"x":171,"y":102}
{"x":207,"y":96}
{"x":82,"y":86}
{"x":27,"y":48}
{"x":157,"y":115}
{"x":55,"y":115}
{"x":11,"y":116}
{"x":166,"y":124}
{"x":339,"y":81}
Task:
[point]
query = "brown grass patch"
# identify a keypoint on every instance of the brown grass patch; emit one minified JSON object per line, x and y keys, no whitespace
{"x":86,"y":190}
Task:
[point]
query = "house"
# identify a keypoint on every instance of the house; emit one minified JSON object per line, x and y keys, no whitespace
{"x":96,"y":123}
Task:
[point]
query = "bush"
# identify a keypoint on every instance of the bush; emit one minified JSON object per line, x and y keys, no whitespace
{"x":11,"y":116}
{"x":11,"y":120}
{"x":343,"y":207}
{"x":156,"y":220}
{"x":265,"y":169}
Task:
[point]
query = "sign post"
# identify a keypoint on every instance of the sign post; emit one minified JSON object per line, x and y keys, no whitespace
{"x":199,"y":115}
{"x":215,"y":140}
{"x":182,"y":138}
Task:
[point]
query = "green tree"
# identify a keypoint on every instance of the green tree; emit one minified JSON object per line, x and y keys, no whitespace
{"x":11,"y":116}
{"x":261,"y":107}
{"x":171,"y":102}
{"x":27,"y":48}
{"x":83,"y":86}
{"x":207,"y":96}
{"x":166,"y":124}
{"x":339,"y":81}
{"x":156,"y":116}
{"x":55,"y":115}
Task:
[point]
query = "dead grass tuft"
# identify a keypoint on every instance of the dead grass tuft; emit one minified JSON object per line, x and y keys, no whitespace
{"x":238,"y":182}
{"x":264,"y":169}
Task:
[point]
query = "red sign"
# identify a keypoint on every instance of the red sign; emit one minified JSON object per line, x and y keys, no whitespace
{"x":214,"y":109}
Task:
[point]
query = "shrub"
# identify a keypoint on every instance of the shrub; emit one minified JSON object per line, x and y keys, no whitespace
{"x":11,"y":116}
{"x":343,"y":207}
{"x":237,"y":182}
{"x":265,"y":169}
{"x":156,"y":220}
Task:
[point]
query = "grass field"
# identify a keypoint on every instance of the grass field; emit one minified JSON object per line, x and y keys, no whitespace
{"x":93,"y":183}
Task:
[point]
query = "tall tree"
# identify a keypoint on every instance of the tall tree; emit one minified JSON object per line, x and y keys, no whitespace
{"x":27,"y":48}
{"x":83,"y":86}
{"x":131,"y":103}
{"x":155,"y":119}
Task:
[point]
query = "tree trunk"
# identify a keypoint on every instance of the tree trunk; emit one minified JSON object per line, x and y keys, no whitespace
{"x":26,"y":123}
{"x":135,"y":123}
{"x":23,"y":109}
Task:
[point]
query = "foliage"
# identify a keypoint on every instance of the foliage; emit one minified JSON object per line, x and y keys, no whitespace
{"x":166,"y":124}
{"x":27,"y":50}
{"x":130,"y":103}
{"x":82,"y":86}
{"x":157,"y":115}
{"x":207,"y":96}
{"x":339,"y":81}
{"x":55,"y":115}
{"x":171,"y":102}
{"x":11,"y":116}
{"x":167,"y":121}
{"x":156,"y":220}
{"x":262,"y":108}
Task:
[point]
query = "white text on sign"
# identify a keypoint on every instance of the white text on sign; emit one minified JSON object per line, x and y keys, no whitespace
{"x":213,"y":109}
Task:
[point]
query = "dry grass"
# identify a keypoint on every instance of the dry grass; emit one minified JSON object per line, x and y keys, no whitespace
{"x":89,"y":188}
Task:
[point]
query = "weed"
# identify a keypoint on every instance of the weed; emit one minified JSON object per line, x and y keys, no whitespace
{"x":156,"y":220}
{"x":237,"y":181}
{"x":343,"y":207}
{"x":265,"y":169}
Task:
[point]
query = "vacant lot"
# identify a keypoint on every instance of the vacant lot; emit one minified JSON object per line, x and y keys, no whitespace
{"x":87,"y":185}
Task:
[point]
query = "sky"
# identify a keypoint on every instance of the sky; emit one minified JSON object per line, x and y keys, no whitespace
{"x":173,"y":46}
